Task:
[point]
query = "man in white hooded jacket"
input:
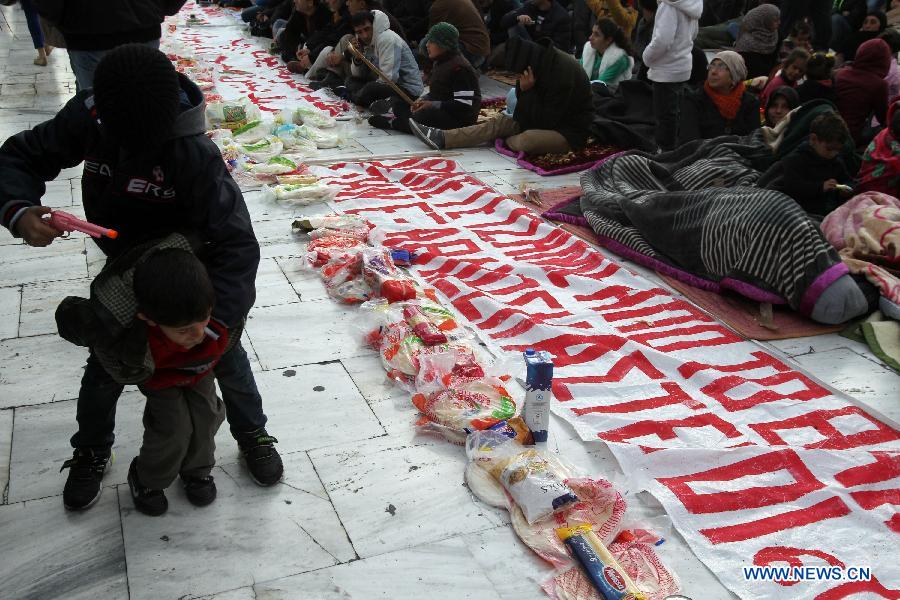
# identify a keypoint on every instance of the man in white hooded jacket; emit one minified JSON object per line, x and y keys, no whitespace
{"x":668,"y":57}
{"x":387,"y":51}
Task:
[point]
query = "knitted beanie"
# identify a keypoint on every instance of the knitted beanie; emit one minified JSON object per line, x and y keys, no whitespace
{"x":137,"y":95}
{"x":735,"y":63}
{"x":444,"y":35}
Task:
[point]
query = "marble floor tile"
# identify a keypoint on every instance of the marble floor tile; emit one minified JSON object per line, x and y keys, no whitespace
{"x":303,"y":333}
{"x":42,"y":444}
{"x":39,"y":369}
{"x":443,"y":569}
{"x":391,"y":495}
{"x":244,"y":593}
{"x":58,"y":195}
{"x":10,"y":301}
{"x":300,"y":474}
{"x":817,"y":343}
{"x":39,"y":302}
{"x":515,"y":571}
{"x":276,"y":238}
{"x":310,"y":406}
{"x":873,"y":386}
{"x":49,"y":552}
{"x":6,"y":431}
{"x":272,"y":286}
{"x":248,"y":534}
{"x":62,"y":259}
{"x":369,"y":376}
{"x":517,"y":176}
{"x":305,"y":281}
{"x":483,"y":159}
{"x":395,"y":144}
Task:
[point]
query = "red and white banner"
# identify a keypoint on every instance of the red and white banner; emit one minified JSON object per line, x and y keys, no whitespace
{"x":756,"y":463}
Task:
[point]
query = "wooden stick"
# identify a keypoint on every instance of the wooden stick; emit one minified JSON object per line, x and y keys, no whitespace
{"x":356,"y":52}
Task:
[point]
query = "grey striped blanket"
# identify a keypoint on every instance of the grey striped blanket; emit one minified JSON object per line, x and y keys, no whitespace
{"x":695,"y":214}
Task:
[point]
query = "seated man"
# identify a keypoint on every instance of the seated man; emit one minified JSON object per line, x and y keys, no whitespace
{"x":474,"y":40}
{"x":541,"y":19}
{"x":553,"y":109}
{"x":454,"y":96}
{"x":387,"y":51}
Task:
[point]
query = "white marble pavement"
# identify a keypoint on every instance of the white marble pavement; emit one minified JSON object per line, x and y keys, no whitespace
{"x":369,"y":507}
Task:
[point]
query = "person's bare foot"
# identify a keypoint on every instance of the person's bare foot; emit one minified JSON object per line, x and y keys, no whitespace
{"x":41,"y":60}
{"x":49,"y":49}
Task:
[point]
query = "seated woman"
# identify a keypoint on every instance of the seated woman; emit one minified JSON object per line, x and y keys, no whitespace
{"x":606,"y":57}
{"x":862,"y":91}
{"x":780,"y":103}
{"x":722,"y":106}
{"x":872,"y":26}
{"x":757,"y":41}
{"x":880,"y":171}
{"x":819,"y":84}
{"x":553,"y":112}
{"x":308,"y":17}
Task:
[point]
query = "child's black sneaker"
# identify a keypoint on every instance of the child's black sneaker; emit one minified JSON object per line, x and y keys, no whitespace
{"x":84,"y":483}
{"x":263,"y":461}
{"x":201,"y":491}
{"x":150,"y":502}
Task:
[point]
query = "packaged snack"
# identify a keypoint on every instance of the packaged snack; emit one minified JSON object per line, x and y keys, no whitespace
{"x":291,"y":137}
{"x":273,"y":166}
{"x":297,"y":179}
{"x":263,"y":150}
{"x":384,"y":277}
{"x":534,"y":479}
{"x":298,"y":194}
{"x":308,"y":115}
{"x":321,"y":250}
{"x":601,"y":568}
{"x":320,"y":138}
{"x":231,"y":114}
{"x":422,"y":327}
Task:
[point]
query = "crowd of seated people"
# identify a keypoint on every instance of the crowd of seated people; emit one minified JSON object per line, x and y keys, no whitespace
{"x":712,"y":68}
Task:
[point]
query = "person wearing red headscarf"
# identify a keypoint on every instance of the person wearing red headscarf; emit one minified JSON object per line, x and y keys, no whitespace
{"x":861,"y":89}
{"x":880,"y":170}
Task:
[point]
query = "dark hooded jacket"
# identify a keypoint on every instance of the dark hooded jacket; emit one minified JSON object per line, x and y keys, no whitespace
{"x":701,"y":119}
{"x":860,"y":87}
{"x":331,"y":32}
{"x":788,"y":93}
{"x":183,"y":186}
{"x":554,"y":23}
{"x":801,"y":175}
{"x":300,"y":29}
{"x":105,"y":24}
{"x":561,"y":98}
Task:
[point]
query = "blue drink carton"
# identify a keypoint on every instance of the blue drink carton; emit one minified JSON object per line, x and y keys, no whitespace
{"x":538,"y":381}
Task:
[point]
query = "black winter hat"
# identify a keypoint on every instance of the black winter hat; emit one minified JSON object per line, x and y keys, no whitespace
{"x":137,"y":95}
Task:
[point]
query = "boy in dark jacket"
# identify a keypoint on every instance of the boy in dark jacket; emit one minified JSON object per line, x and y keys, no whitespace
{"x":148,"y":321}
{"x":814,"y":174}
{"x":454,"y":95}
{"x":554,"y":106}
{"x":149,"y":170}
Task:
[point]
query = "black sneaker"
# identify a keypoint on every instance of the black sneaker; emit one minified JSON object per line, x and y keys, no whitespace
{"x":84,"y":484}
{"x":150,"y":502}
{"x":201,"y":491}
{"x":263,"y":461}
{"x":432,"y":136}
{"x":380,"y":122}
{"x":382,"y":107}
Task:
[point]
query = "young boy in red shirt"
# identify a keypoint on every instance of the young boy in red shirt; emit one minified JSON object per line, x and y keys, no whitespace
{"x":168,"y":347}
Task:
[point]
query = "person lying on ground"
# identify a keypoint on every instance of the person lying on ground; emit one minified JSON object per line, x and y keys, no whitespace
{"x":792,"y":71}
{"x":553,"y":106}
{"x":149,"y":170}
{"x":819,"y":82}
{"x":454,"y":95}
{"x":782,"y":101}
{"x":722,"y":106}
{"x":385,"y":50}
{"x":814,"y":174}
{"x":163,"y":340}
{"x":861,"y":90}
{"x":606,"y":57}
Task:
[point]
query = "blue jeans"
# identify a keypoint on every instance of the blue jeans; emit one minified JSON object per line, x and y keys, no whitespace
{"x":34,"y":25}
{"x":96,"y":411}
{"x":84,"y":63}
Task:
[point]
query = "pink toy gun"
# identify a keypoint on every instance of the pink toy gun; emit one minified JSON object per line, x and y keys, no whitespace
{"x":69,"y":223}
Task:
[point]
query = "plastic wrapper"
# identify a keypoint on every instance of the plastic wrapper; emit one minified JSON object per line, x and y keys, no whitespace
{"x":297,"y":179}
{"x":422,"y":327}
{"x":263,"y":150}
{"x":535,"y":480}
{"x":299,"y":195}
{"x":320,"y":138}
{"x":231,"y":114}
{"x":348,"y":225}
{"x":308,"y":115}
{"x":343,"y":279}
{"x":384,"y":277}
{"x":276,"y":165}
{"x":292,"y":138}
{"x":324,"y":249}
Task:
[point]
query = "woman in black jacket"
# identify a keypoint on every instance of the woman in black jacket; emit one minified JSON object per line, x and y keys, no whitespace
{"x":722,"y":106}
